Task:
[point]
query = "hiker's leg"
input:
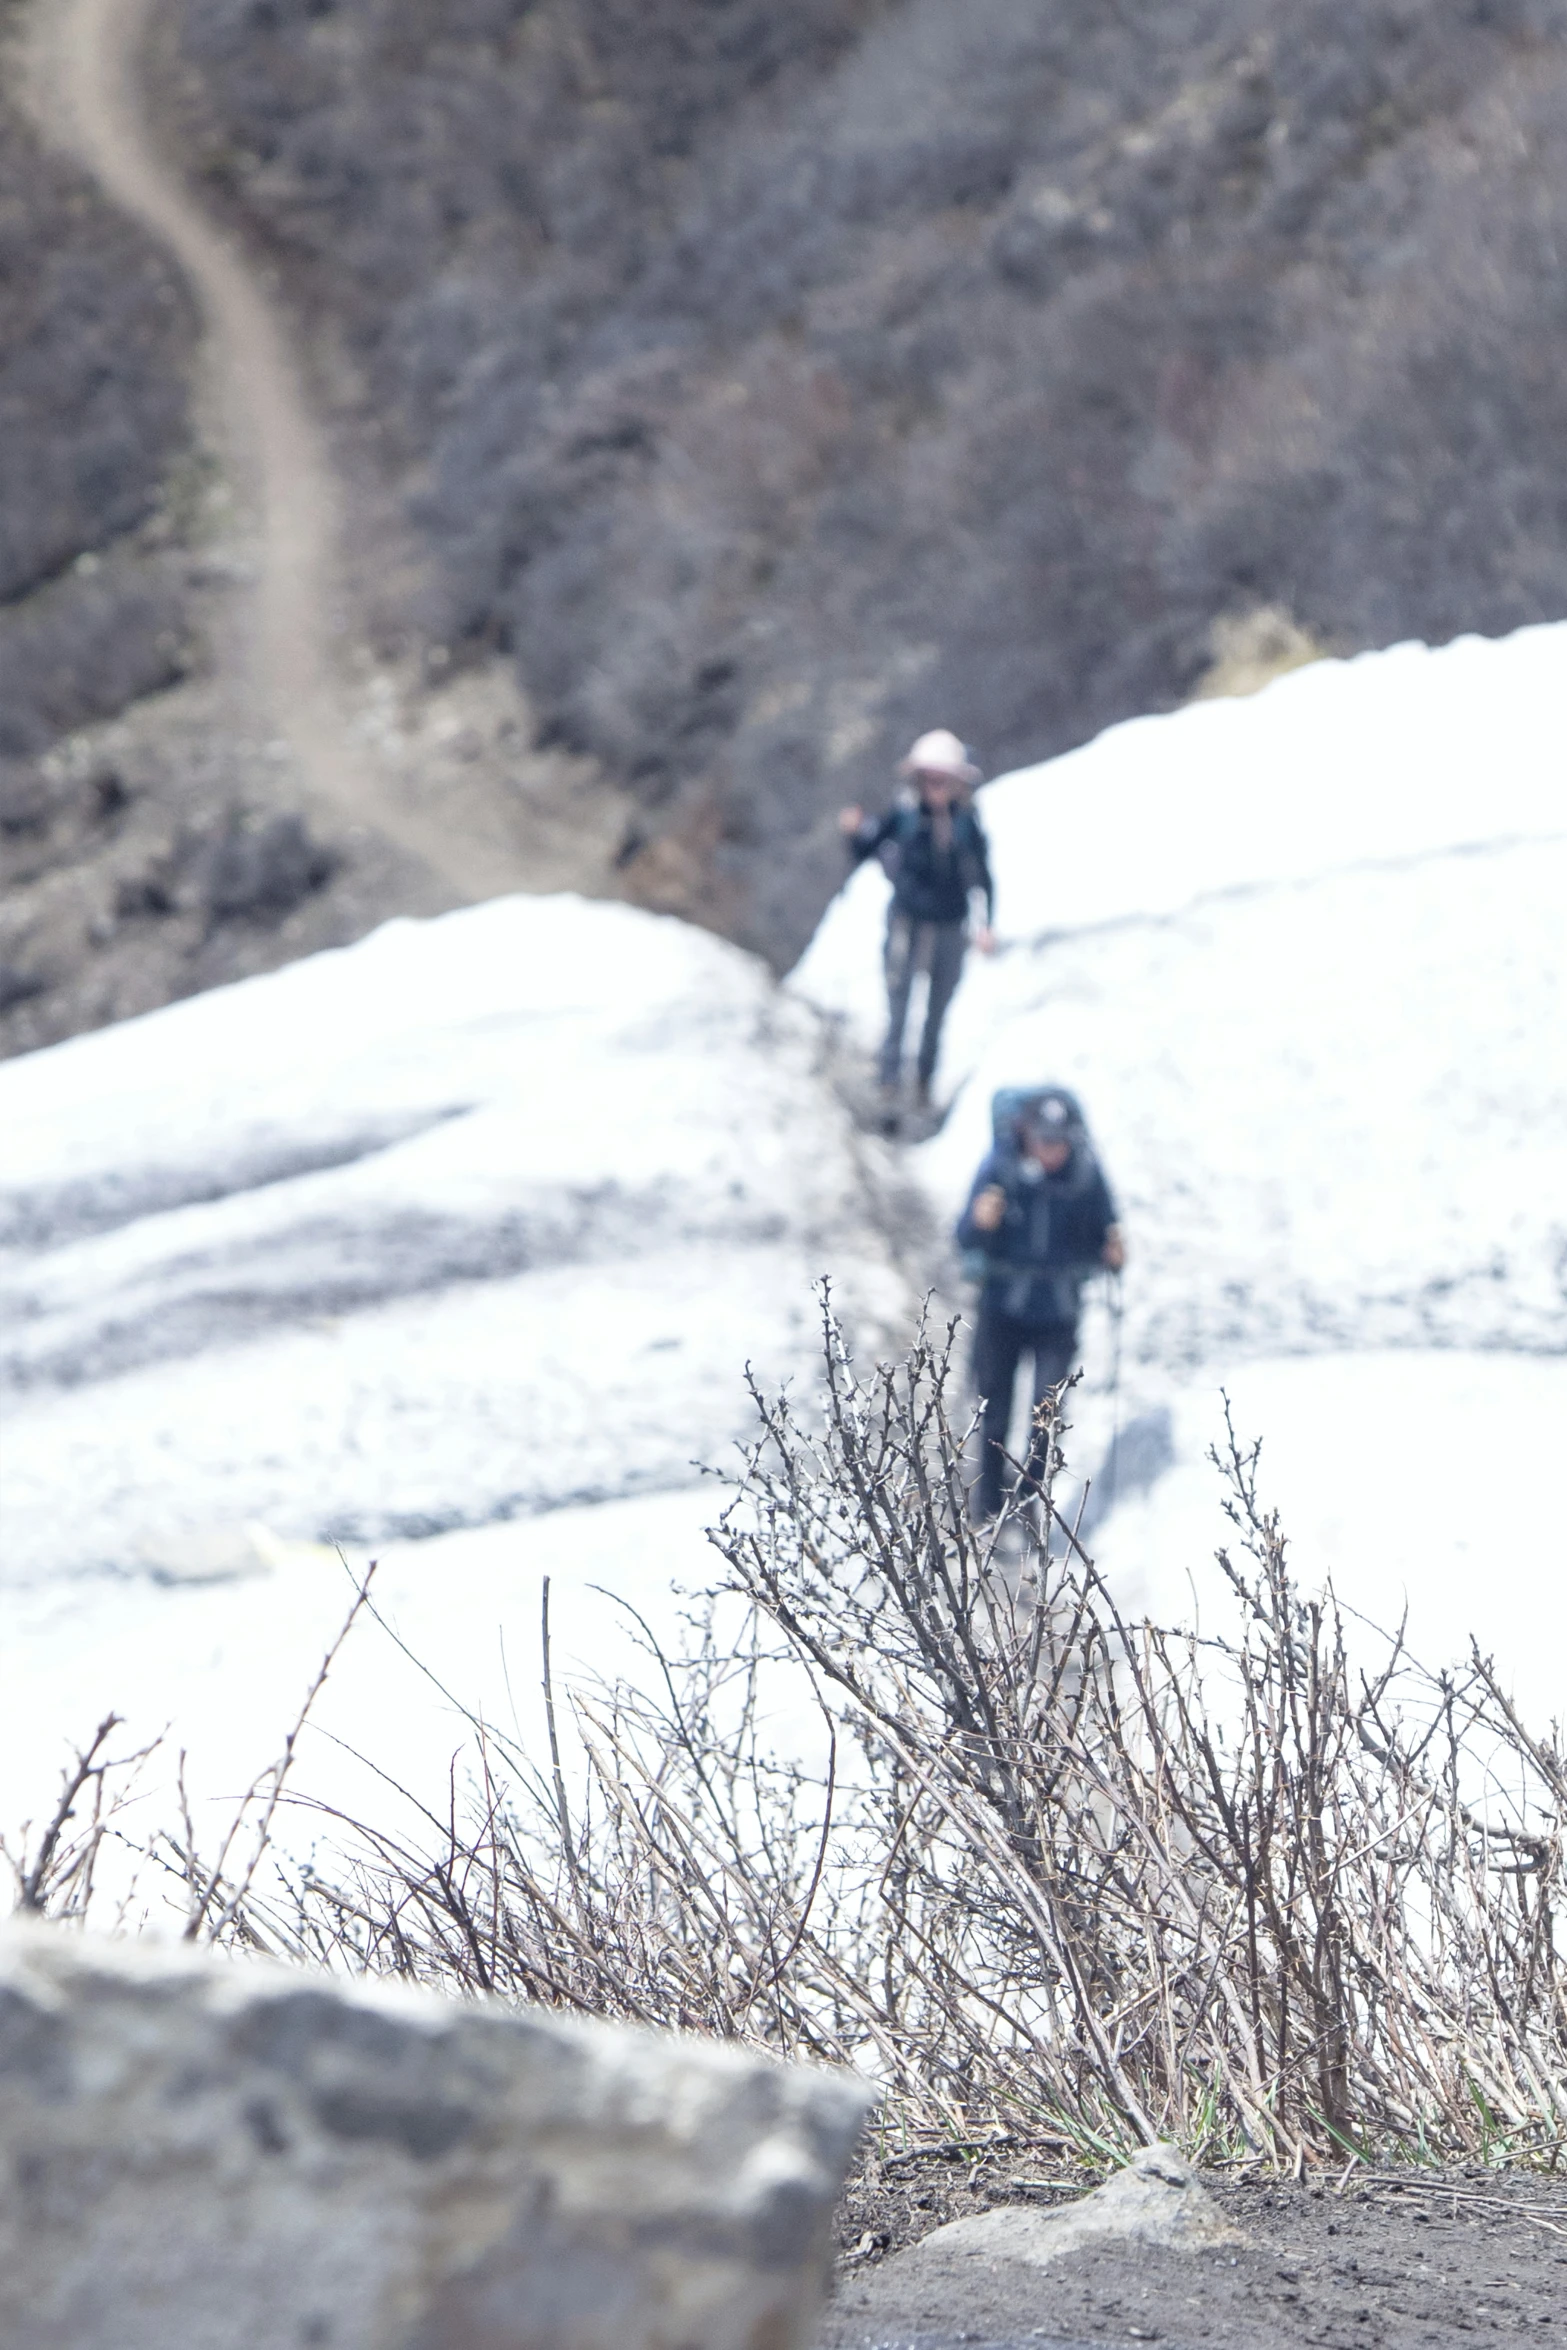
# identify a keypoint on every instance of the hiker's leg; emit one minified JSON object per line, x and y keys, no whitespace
{"x":1055,"y":1352}
{"x":998,"y":1343}
{"x":946,"y":967}
{"x":898,"y":961}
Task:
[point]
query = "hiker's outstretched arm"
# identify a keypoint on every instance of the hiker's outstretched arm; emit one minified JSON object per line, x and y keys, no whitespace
{"x":862,"y":834}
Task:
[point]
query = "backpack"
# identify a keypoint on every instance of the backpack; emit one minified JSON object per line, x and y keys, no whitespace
{"x":890,"y":855}
{"x":1008,"y":1103}
{"x":909,"y":817}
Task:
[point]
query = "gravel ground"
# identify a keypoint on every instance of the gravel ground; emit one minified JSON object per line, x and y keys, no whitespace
{"x":1434,"y":2259}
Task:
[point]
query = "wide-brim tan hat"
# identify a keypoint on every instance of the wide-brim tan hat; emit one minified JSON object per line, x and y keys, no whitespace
{"x":940,"y":753}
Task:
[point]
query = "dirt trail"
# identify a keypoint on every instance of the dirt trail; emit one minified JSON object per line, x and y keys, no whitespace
{"x":82,"y":85}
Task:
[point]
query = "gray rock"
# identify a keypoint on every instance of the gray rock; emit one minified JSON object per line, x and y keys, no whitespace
{"x":245,"y":2157}
{"x":1155,"y":2200}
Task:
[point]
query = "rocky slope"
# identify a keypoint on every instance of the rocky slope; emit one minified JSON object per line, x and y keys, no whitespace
{"x":767,"y":383}
{"x":210,"y":771}
{"x":150,"y":844}
{"x":95,"y":339}
{"x":722,"y":392}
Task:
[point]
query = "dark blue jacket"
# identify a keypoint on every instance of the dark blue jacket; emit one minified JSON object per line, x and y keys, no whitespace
{"x":929,"y":883}
{"x":1050,"y":1238}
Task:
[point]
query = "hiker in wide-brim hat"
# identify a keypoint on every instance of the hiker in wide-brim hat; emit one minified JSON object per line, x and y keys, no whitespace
{"x":934,"y":849}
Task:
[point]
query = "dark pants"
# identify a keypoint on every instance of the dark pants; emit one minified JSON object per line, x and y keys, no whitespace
{"x":1000,"y":1344}
{"x":935,"y":948}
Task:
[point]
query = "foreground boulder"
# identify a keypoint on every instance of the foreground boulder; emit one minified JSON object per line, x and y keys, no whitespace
{"x":207,"y":2155}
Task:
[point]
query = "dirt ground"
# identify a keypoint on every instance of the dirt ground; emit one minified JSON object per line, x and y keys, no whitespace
{"x":1371,"y":2262}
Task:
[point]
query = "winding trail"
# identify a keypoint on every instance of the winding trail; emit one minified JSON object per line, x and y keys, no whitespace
{"x":82,"y":85}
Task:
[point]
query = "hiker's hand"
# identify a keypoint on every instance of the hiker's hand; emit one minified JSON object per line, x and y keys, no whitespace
{"x":1115,"y":1249}
{"x":985,"y":939}
{"x":988,"y":1209}
{"x":850,"y":819}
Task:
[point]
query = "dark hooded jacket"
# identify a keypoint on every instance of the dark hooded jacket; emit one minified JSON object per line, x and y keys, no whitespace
{"x":930,"y":882}
{"x":1050,"y":1238}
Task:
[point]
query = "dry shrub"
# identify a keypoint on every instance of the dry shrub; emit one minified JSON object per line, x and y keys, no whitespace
{"x":1054,"y":1871}
{"x":236,"y":1893}
{"x":1043,"y":1870}
{"x":54,"y":1863}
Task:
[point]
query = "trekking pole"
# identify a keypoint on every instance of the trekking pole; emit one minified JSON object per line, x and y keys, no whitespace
{"x":1117,"y":1305}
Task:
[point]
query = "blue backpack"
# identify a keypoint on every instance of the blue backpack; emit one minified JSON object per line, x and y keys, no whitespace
{"x":1007,"y":1105}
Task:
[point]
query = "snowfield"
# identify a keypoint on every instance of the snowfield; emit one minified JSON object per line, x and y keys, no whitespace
{"x":222,"y":1664}
{"x":456,"y":1244}
{"x":475,"y":1225}
{"x":480,"y":1217}
{"x":1303,"y":957}
{"x":1426,"y":1484}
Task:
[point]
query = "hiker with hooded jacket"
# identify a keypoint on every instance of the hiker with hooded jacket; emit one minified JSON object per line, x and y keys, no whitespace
{"x":934,"y":849}
{"x":1039,"y":1220}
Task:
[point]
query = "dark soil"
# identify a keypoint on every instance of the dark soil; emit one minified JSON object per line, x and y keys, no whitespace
{"x":1442,"y":2260}
{"x":894,"y":2199}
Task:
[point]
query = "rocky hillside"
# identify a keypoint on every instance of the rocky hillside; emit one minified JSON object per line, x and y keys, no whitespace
{"x":95,"y":338}
{"x":770,"y":382}
{"x":726,"y":391}
{"x":151,"y":838}
{"x":94,"y":342}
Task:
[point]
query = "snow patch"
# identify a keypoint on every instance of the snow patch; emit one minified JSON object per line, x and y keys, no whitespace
{"x":482,"y":1216}
{"x":455,"y":1244}
{"x":1303,"y":958}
